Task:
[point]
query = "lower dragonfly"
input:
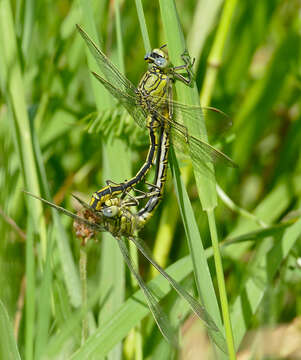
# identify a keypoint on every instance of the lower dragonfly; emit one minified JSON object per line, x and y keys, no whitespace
{"x":117,"y":218}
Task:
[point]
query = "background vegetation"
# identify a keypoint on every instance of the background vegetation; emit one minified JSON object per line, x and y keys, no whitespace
{"x":247,"y":64}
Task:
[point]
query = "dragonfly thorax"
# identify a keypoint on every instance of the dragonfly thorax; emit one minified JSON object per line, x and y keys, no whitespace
{"x":118,"y":219}
{"x":153,"y":88}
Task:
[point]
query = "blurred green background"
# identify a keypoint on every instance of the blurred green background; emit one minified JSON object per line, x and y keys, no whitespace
{"x":52,"y":145}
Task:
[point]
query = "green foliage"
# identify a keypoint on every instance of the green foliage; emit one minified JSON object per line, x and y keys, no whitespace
{"x":60,"y":133}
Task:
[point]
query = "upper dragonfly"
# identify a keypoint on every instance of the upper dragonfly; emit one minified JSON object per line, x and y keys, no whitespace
{"x":141,"y":105}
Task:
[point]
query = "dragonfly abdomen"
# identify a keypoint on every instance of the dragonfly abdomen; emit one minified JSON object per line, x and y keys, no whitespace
{"x":112,"y":190}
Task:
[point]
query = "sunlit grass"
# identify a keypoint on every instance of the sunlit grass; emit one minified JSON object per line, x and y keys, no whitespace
{"x":46,"y":91}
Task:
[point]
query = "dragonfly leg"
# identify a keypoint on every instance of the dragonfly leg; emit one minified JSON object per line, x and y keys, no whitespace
{"x":134,"y":199}
{"x":153,"y":186}
{"x":188,"y":64}
{"x":110,"y":182}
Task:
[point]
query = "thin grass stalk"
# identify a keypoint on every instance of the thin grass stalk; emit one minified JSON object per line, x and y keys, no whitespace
{"x":83,"y":278}
{"x":239,"y":210}
{"x":143,"y":27}
{"x":214,"y":61}
{"x":30,"y":295}
{"x":43,"y":305}
{"x":204,"y":18}
{"x":119,"y":37}
{"x":215,"y":56}
{"x":221,"y":285}
{"x":28,"y":26}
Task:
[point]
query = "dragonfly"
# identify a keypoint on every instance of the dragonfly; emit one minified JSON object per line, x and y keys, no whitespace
{"x":144,"y":104}
{"x":117,"y":218}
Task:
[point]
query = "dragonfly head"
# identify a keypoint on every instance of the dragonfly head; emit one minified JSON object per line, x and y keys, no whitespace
{"x":158,"y":57}
{"x":110,"y":211}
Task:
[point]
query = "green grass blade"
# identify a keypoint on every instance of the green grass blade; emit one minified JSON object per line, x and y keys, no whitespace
{"x":44,"y":306}
{"x":30,"y":307}
{"x":15,"y":97}
{"x":8,"y":346}
{"x":176,"y":45}
{"x":205,"y":14}
{"x":202,"y":274}
{"x":215,"y":56}
{"x":143,"y":27}
{"x":266,"y":267}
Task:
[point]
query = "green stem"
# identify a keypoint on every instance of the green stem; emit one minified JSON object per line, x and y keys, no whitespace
{"x":234,"y":207}
{"x":83,"y":278}
{"x":214,"y":61}
{"x":143,"y":26}
{"x":215,"y":56}
{"x":221,"y":285}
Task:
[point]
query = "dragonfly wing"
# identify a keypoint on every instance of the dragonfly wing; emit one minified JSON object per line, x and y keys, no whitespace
{"x":216,"y":120}
{"x":126,"y":100}
{"x":109,"y":70}
{"x":92,"y":226}
{"x":197,"y":308}
{"x":158,"y":314}
{"x":199,"y":150}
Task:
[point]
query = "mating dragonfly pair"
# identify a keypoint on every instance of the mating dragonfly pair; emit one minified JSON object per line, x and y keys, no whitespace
{"x":151,"y":105}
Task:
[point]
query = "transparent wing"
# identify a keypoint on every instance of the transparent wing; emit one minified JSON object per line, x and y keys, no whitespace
{"x":199,"y":150}
{"x":198,"y":309}
{"x":158,"y":314}
{"x":110,"y":71}
{"x":89,"y":224}
{"x":128,"y":101}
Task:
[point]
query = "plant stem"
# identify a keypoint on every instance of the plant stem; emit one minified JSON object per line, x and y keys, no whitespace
{"x":215,"y":56}
{"x":221,"y":284}
{"x":83,"y":278}
{"x":214,"y":62}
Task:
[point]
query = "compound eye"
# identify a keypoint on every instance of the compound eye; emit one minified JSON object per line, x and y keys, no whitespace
{"x":160,"y":61}
{"x":110,"y":211}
